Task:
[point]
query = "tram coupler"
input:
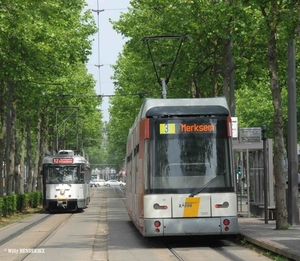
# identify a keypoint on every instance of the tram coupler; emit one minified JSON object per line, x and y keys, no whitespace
{"x":62,"y":204}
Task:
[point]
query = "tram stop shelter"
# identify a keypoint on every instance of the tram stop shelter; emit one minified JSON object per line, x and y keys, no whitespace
{"x":249,"y":165}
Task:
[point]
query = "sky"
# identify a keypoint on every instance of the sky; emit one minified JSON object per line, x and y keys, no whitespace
{"x":105,"y":51}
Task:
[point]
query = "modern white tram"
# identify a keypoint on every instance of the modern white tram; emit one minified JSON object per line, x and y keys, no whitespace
{"x":66,"y":178}
{"x":179,"y":164}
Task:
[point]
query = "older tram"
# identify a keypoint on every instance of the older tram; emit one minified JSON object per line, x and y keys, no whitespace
{"x":179,"y":164}
{"x":66,"y":178}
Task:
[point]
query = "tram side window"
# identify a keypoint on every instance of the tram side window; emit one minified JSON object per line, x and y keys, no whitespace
{"x":83,"y":176}
{"x":129,"y":172}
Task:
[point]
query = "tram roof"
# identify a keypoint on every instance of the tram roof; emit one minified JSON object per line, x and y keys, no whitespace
{"x":182,"y":107}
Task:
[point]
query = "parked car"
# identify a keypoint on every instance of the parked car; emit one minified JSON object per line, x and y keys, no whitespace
{"x":122,"y":183}
{"x":113,"y":182}
{"x":99,"y":182}
{"x":92,"y":184}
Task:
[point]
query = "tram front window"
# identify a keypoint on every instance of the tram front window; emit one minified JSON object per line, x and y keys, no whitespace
{"x":184,"y":163}
{"x":61,"y":175}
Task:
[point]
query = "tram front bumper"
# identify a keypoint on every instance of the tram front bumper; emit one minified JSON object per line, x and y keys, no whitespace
{"x":62,"y":202}
{"x":190,"y":226}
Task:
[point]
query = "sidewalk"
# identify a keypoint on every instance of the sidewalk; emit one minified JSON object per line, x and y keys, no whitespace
{"x":281,"y":242}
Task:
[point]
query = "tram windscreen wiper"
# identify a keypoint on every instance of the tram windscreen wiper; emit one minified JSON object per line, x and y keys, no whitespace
{"x":205,"y":185}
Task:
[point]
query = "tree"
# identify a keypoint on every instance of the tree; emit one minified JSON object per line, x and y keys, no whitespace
{"x":44,"y":47}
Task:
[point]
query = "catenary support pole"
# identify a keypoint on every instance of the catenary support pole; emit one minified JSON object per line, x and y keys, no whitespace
{"x":265,"y":157}
{"x":292,"y":200}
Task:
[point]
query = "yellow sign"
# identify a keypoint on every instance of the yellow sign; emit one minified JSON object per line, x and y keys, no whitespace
{"x":62,"y":198}
{"x":167,"y":128}
{"x":191,"y":207}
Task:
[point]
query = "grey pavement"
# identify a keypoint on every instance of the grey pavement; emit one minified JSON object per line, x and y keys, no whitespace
{"x":282,"y":242}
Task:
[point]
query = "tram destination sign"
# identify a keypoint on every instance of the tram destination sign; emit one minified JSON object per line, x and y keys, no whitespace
{"x":62,"y":161}
{"x":250,"y":135}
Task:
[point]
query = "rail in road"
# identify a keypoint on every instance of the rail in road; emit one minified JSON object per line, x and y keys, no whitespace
{"x":59,"y":236}
{"x":127,"y":244}
{"x":104,"y":232}
{"x":29,"y":237}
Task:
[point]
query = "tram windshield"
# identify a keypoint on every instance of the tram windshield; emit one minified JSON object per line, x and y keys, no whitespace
{"x":191,"y":155}
{"x":63,"y":175}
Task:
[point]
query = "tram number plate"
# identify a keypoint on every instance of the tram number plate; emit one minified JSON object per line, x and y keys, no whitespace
{"x":62,"y":198}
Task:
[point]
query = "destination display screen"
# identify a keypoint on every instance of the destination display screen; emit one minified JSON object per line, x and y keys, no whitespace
{"x":206,"y":126}
{"x":173,"y":128}
{"x":62,"y":161}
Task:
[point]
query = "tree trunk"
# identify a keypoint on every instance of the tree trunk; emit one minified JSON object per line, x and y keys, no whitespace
{"x":38,"y":151}
{"x":194,"y":89}
{"x":2,"y":137}
{"x":225,"y":70}
{"x":43,"y":148}
{"x":10,"y":146}
{"x":22,"y":157}
{"x":215,"y":72}
{"x":29,"y":158}
{"x":280,"y":194}
{"x":11,"y":158}
{"x":2,"y":145}
{"x":17,"y":175}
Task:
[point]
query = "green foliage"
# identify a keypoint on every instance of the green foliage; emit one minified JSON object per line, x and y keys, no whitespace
{"x":280,"y":258}
{"x":201,"y":68}
{"x":9,"y":205}
{"x":44,"y":48}
{"x":35,"y":199}
{"x":256,"y":103}
{"x":21,"y":203}
{"x":243,"y":241}
{"x":1,"y":206}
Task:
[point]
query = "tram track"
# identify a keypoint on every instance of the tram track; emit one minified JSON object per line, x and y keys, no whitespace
{"x":44,"y":238}
{"x":222,"y":250}
{"x":27,"y":239}
{"x":22,"y":230}
{"x":169,"y":248}
{"x":226,"y":254}
{"x":175,"y":254}
{"x":179,"y":250}
{"x":180,"y":254}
